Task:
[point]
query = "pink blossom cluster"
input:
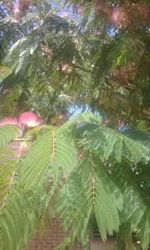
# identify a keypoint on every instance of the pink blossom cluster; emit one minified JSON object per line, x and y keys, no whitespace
{"x":26,"y":119}
{"x":19,"y":8}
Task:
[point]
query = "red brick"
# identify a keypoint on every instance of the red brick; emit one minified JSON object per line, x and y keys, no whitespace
{"x":50,"y":239}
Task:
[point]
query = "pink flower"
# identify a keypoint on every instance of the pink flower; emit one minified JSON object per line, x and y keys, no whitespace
{"x":16,"y":6}
{"x":29,"y":119}
{"x":9,"y":121}
{"x":117,"y":16}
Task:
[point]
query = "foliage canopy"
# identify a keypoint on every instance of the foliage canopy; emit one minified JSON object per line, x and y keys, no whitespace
{"x":94,"y":166}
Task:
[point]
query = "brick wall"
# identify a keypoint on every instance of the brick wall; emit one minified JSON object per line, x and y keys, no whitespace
{"x":50,"y":239}
{"x":55,"y":235}
{"x":97,"y":244}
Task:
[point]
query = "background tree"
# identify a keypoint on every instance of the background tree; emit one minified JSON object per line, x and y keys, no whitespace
{"x":95,"y":167}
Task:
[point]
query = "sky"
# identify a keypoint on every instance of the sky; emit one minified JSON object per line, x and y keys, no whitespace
{"x":63,"y":11}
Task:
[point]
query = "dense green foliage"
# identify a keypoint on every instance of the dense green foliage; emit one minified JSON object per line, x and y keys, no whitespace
{"x":91,"y":167}
{"x":88,"y":168}
{"x":93,"y":62}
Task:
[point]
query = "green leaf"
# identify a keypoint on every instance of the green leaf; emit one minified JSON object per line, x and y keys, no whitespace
{"x":52,"y":154}
{"x":89,"y":190}
{"x":7,"y":134}
{"x":110,"y":144}
{"x":145,"y":229}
